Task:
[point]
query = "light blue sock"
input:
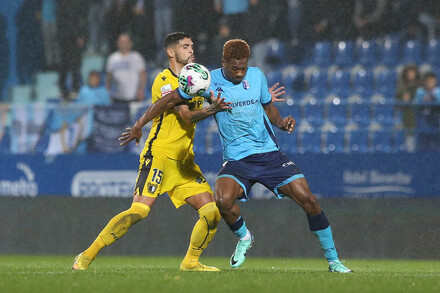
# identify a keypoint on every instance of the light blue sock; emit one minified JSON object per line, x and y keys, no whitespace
{"x":325,"y":237}
{"x":239,"y":228}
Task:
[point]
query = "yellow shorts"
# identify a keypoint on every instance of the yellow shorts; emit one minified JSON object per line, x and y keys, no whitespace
{"x":180,"y":179}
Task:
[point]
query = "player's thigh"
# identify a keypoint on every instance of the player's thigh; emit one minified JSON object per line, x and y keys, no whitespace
{"x":227,"y":190}
{"x":199,"y":200}
{"x":299,"y":191}
{"x":189,"y":186}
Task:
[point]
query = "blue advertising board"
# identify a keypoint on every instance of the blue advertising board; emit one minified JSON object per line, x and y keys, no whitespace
{"x":114,"y":175}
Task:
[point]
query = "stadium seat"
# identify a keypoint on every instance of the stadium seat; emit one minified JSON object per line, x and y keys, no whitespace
{"x":48,"y":78}
{"x":399,"y":144}
{"x":412,"y":52}
{"x":382,"y":141}
{"x":363,"y":82}
{"x":322,"y":54}
{"x":293,"y":80}
{"x":384,"y":114}
{"x":366,"y":53}
{"x":318,"y":83}
{"x":340,"y":83}
{"x":314,"y":114}
{"x":360,"y":114}
{"x":334,"y":142}
{"x":287,"y":142}
{"x":344,"y":54}
{"x":389,"y":52}
{"x":290,"y":110}
{"x":358,"y":141}
{"x":45,"y":93}
{"x":310,"y":142}
{"x":337,"y":113}
{"x":386,"y":82}
{"x":273,"y":77}
{"x":91,"y":63}
{"x":213,"y":142}
{"x":5,"y":142}
{"x":21,"y":94}
{"x":433,"y":52}
{"x":199,"y":145}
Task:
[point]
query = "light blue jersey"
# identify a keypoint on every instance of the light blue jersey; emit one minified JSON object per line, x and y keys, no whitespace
{"x":245,"y":129}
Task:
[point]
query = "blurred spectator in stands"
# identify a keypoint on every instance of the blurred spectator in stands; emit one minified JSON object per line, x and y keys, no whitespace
{"x":224,"y":34}
{"x":94,"y":93}
{"x":118,"y":19}
{"x":371,"y":17}
{"x":316,"y":20}
{"x":71,"y":33}
{"x":407,"y":85}
{"x":430,"y":17}
{"x":428,"y":100}
{"x":142,"y":28}
{"x":236,"y":12}
{"x":30,"y":48}
{"x":163,"y":14}
{"x":97,"y":43}
{"x":126,"y":72}
{"x":4,"y":53}
{"x":49,"y":28}
{"x":294,"y":16}
{"x":404,"y":18}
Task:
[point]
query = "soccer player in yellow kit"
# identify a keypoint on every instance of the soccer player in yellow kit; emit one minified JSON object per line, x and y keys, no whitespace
{"x":167,"y":165}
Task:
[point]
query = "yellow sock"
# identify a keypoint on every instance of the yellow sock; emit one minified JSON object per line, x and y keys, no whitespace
{"x":117,"y":227}
{"x":203,"y":232}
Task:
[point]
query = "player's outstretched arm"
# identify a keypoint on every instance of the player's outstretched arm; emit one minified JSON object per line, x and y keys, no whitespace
{"x":284,"y":124}
{"x":165,"y":103}
{"x":217,"y":104}
{"x":276,"y":91}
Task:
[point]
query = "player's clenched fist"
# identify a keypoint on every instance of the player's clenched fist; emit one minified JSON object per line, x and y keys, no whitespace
{"x":288,"y":124}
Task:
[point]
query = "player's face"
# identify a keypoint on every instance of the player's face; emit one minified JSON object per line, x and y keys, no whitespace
{"x":184,"y":51}
{"x":235,"y":69}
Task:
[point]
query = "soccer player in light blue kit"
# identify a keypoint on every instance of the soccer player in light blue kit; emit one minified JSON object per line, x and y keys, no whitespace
{"x":250,"y":150}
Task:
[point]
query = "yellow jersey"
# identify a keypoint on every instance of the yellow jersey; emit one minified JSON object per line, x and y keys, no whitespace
{"x":170,"y":135}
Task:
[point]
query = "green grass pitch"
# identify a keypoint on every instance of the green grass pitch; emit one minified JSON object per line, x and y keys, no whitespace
{"x":23,"y":273}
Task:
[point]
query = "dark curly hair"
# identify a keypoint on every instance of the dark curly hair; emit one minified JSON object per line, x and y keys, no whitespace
{"x":236,"y":49}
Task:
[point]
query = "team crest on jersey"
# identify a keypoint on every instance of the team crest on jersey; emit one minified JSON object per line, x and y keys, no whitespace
{"x":246,"y":84}
{"x":151,"y":188}
{"x":166,"y":89}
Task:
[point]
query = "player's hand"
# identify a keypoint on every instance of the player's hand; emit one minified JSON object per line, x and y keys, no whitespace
{"x":276,"y":91}
{"x":218,"y":103}
{"x":288,"y":124}
{"x":132,"y":133}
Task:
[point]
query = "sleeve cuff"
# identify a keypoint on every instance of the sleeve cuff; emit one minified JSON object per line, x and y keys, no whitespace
{"x":183,"y":95}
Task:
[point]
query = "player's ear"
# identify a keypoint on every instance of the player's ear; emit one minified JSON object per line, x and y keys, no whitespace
{"x":223,"y":62}
{"x":170,"y":52}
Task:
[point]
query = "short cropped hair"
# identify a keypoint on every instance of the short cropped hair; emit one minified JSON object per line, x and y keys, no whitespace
{"x":174,"y":38}
{"x":236,"y":49}
{"x":429,"y":74}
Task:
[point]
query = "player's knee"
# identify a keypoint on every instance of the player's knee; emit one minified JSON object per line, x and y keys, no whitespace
{"x":224,"y":202}
{"x":310,"y":205}
{"x":211,"y":213}
{"x":139,"y":211}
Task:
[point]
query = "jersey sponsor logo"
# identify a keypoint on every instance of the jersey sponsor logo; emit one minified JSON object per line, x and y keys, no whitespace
{"x":245,"y":84}
{"x":244,"y":103}
{"x":166,"y":89}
